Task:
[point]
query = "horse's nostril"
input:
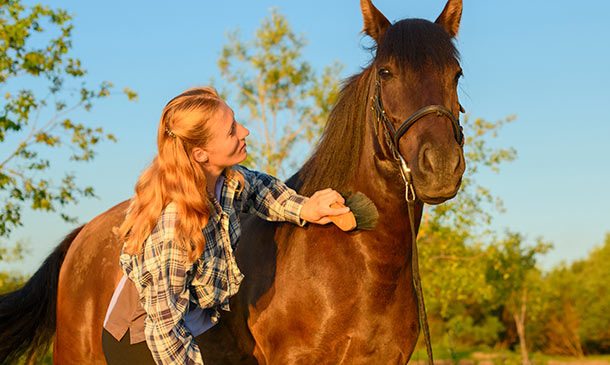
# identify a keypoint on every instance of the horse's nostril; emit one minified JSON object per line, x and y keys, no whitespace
{"x":459,"y":161}
{"x":426,"y":160}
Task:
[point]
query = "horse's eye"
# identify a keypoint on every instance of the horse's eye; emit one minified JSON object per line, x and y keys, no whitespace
{"x":384,"y":73}
{"x":458,"y":75}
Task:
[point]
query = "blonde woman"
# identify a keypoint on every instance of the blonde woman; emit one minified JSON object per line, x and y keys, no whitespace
{"x":182,"y":227}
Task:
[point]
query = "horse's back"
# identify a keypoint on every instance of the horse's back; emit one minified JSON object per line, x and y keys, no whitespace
{"x":87,"y":281}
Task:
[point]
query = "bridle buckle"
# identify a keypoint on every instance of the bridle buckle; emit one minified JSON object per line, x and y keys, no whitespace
{"x":405,"y":173}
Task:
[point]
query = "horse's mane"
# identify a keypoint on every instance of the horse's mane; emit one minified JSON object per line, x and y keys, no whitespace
{"x":336,"y":157}
{"x":413,"y":43}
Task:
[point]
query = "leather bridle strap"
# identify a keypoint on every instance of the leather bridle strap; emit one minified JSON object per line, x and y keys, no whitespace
{"x":440,"y":111}
{"x":395,"y":135}
{"x":421,"y":306}
{"x":392,"y":137}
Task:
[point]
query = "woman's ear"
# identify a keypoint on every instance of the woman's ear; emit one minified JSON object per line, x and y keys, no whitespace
{"x":199,"y":155}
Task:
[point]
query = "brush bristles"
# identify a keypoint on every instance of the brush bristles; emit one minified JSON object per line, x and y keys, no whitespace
{"x":364,"y":210}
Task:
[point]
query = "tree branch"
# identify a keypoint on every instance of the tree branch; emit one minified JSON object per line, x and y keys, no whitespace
{"x":241,"y":89}
{"x":28,"y":140}
{"x":284,"y":141}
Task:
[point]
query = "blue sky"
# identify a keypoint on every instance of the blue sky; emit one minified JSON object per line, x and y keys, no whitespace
{"x":546,"y":62}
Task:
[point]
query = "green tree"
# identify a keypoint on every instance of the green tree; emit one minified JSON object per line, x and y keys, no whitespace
{"x":593,"y":303}
{"x":558,"y":332}
{"x":285,"y":100}
{"x":470,"y":212}
{"x":578,"y":301}
{"x":12,"y":281}
{"x":454,"y":241}
{"x":512,"y":271}
{"x":42,"y":84}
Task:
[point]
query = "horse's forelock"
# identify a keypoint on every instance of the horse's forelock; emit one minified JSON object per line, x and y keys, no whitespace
{"x":417,"y":43}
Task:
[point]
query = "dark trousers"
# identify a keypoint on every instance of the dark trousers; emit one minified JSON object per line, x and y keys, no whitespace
{"x":124,"y":353}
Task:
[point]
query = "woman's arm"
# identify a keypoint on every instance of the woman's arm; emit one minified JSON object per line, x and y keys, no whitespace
{"x":270,"y":199}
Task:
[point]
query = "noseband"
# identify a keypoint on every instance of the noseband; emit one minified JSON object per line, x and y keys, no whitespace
{"x":392,"y":137}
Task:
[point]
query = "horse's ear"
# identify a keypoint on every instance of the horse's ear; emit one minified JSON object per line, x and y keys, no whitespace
{"x":375,"y":23}
{"x":450,"y":17}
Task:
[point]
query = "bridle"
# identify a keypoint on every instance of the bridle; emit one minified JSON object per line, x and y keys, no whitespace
{"x":392,"y":138}
{"x":415,"y":117}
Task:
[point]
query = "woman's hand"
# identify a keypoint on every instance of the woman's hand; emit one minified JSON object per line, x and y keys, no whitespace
{"x":317,"y":209}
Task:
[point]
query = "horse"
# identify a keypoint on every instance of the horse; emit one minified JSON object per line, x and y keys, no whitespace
{"x":313,"y":295}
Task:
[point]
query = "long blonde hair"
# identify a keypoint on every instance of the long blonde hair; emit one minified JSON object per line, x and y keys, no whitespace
{"x":175,"y":176}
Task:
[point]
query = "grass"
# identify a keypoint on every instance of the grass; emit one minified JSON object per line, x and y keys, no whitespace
{"x":502,"y":357}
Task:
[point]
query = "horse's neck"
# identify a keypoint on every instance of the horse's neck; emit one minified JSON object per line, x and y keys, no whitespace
{"x":379,"y":178}
{"x":378,"y":175}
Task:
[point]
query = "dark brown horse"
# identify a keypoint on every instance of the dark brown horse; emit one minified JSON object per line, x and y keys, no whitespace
{"x":313,"y":295}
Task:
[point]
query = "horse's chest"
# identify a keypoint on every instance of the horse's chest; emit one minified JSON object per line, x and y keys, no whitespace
{"x":383,"y":334}
{"x":331,"y":321}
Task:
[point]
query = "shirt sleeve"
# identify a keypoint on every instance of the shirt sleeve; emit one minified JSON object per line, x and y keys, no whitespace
{"x":166,"y":304}
{"x":270,"y":199}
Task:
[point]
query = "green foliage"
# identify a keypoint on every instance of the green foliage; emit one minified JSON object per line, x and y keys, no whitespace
{"x":33,"y":120}
{"x":578,"y":310}
{"x":594,"y":302}
{"x":485,"y":291}
{"x":12,"y":281}
{"x":510,"y":266}
{"x":452,"y":271}
{"x":285,"y":100}
{"x":16,"y":253}
{"x":472,"y":207}
{"x":484,"y":331}
{"x":474,"y":282}
{"x":453,"y":257}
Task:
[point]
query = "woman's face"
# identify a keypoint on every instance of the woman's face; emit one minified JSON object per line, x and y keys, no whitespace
{"x":227,"y":146}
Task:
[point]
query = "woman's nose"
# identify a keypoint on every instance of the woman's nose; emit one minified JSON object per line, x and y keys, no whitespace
{"x":245,"y":132}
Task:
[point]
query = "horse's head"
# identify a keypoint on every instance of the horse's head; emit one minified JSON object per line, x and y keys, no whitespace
{"x":416,"y":65}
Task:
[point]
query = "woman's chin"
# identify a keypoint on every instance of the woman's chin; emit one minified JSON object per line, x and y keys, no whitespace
{"x":243,"y":156}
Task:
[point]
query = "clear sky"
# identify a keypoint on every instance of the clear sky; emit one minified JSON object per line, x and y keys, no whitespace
{"x":546,"y":62}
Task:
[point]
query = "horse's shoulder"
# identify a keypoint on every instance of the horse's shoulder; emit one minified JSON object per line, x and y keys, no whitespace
{"x":104,"y":226}
{"x":116,"y":213}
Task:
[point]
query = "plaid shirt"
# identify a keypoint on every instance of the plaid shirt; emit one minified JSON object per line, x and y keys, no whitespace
{"x":167,"y":285}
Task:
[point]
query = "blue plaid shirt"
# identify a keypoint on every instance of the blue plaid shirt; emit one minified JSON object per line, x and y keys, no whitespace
{"x":167,"y":285}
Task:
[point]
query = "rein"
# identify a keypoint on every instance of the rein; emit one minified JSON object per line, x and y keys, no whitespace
{"x":392,"y":137}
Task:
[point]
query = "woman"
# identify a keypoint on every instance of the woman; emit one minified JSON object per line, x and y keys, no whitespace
{"x":183,"y":226}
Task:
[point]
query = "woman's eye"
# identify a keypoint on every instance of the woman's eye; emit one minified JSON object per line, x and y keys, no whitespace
{"x":384,"y":73}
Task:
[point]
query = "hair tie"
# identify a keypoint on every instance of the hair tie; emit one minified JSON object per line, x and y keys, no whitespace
{"x":170,"y":133}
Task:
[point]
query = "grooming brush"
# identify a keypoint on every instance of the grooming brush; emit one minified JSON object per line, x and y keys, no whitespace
{"x":362,"y":215}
